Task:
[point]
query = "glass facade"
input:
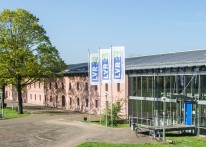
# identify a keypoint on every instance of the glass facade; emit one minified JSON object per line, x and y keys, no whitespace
{"x":166,"y":86}
{"x":179,"y":86}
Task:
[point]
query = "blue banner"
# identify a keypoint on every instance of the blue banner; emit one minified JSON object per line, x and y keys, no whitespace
{"x":118,"y":66}
{"x":94,"y":69}
{"x":105,"y":60}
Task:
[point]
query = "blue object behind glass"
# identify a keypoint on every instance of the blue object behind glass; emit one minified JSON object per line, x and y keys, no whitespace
{"x":188,"y":113}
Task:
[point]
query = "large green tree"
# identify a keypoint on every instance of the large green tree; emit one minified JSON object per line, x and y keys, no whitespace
{"x":26,"y":53}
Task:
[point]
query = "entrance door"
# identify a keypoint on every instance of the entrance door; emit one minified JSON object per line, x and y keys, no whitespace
{"x":188,"y":113}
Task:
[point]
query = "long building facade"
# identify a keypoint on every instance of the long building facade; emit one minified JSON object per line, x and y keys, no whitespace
{"x":176,"y":80}
{"x":71,"y":92}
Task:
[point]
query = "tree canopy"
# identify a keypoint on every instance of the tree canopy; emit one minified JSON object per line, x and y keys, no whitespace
{"x":26,"y":53}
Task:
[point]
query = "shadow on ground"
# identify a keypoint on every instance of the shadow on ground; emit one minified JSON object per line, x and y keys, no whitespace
{"x":49,"y":110}
{"x":179,"y":134}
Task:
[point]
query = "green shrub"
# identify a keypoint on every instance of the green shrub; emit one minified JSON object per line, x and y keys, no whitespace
{"x":116,"y":108}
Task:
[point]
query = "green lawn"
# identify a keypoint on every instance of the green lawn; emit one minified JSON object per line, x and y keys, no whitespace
{"x":103,"y":124}
{"x":9,"y":113}
{"x":178,"y":141}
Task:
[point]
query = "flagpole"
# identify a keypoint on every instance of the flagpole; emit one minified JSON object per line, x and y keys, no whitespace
{"x":89,"y":83}
{"x":111,"y":89}
{"x":100,"y":86}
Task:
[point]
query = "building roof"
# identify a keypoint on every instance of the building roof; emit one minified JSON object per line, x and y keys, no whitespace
{"x":178,"y":59}
{"x":168,"y":60}
{"x":77,"y":68}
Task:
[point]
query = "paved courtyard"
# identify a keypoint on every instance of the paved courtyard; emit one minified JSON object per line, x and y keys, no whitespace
{"x":59,"y":128}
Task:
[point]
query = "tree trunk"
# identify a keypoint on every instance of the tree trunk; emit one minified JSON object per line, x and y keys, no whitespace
{"x":3,"y":95}
{"x":20,"y":108}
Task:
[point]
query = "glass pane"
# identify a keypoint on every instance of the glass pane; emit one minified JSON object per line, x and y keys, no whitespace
{"x":139,"y":86}
{"x":167,"y":86}
{"x":203,"y":87}
{"x":188,"y":81}
{"x":144,"y":87}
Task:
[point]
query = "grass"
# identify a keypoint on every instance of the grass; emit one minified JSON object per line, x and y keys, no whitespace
{"x":102,"y":144}
{"x":178,"y":141}
{"x":9,"y":113}
{"x":103,"y":124}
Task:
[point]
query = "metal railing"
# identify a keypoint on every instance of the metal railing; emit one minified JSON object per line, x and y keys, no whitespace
{"x":156,"y":121}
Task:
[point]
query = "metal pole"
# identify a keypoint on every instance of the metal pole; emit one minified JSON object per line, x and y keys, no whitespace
{"x":164,"y":109}
{"x":154,"y":106}
{"x":141,"y":103}
{"x":198,"y":106}
{"x":89,"y":85}
{"x":2,"y":104}
{"x":100,"y":86}
{"x":2,"y":107}
{"x":111,"y":91}
{"x":12,"y":106}
{"x":106,"y":109}
{"x":153,"y":101}
{"x":173,"y":118}
{"x":171,"y":121}
{"x":136,"y":101}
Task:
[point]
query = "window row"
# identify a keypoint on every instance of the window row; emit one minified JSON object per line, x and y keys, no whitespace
{"x":35,"y":85}
{"x":35,"y":97}
{"x":77,"y":101}
{"x":56,"y":85}
{"x":87,"y":102}
{"x":78,"y":86}
{"x":159,"y":86}
{"x":118,"y":87}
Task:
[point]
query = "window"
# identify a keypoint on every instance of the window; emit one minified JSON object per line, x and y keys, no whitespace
{"x":118,"y":87}
{"x":63,"y":101}
{"x":35,"y":96}
{"x":70,"y":101}
{"x":50,"y":98}
{"x":70,"y":86}
{"x":62,"y":85}
{"x":86,"y":86}
{"x":45,"y":99}
{"x":77,"y":85}
{"x":77,"y":101}
{"x":95,"y":87}
{"x":56,"y":98}
{"x":39,"y":85}
{"x":56,"y":85}
{"x":96,"y":103}
{"x":50,"y":85}
{"x":87,"y":102}
{"x":34,"y":85}
{"x":40,"y":97}
{"x":31,"y":96}
{"x":106,"y":87}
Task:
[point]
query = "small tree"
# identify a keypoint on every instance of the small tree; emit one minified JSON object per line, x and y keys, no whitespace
{"x":116,"y":109}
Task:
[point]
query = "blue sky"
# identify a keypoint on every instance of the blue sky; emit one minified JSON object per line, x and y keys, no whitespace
{"x":144,"y":27}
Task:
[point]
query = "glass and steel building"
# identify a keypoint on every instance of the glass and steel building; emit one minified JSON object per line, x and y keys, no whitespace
{"x":177,"y":80}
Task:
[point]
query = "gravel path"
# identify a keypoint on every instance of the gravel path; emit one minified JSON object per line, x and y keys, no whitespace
{"x":46,"y":127}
